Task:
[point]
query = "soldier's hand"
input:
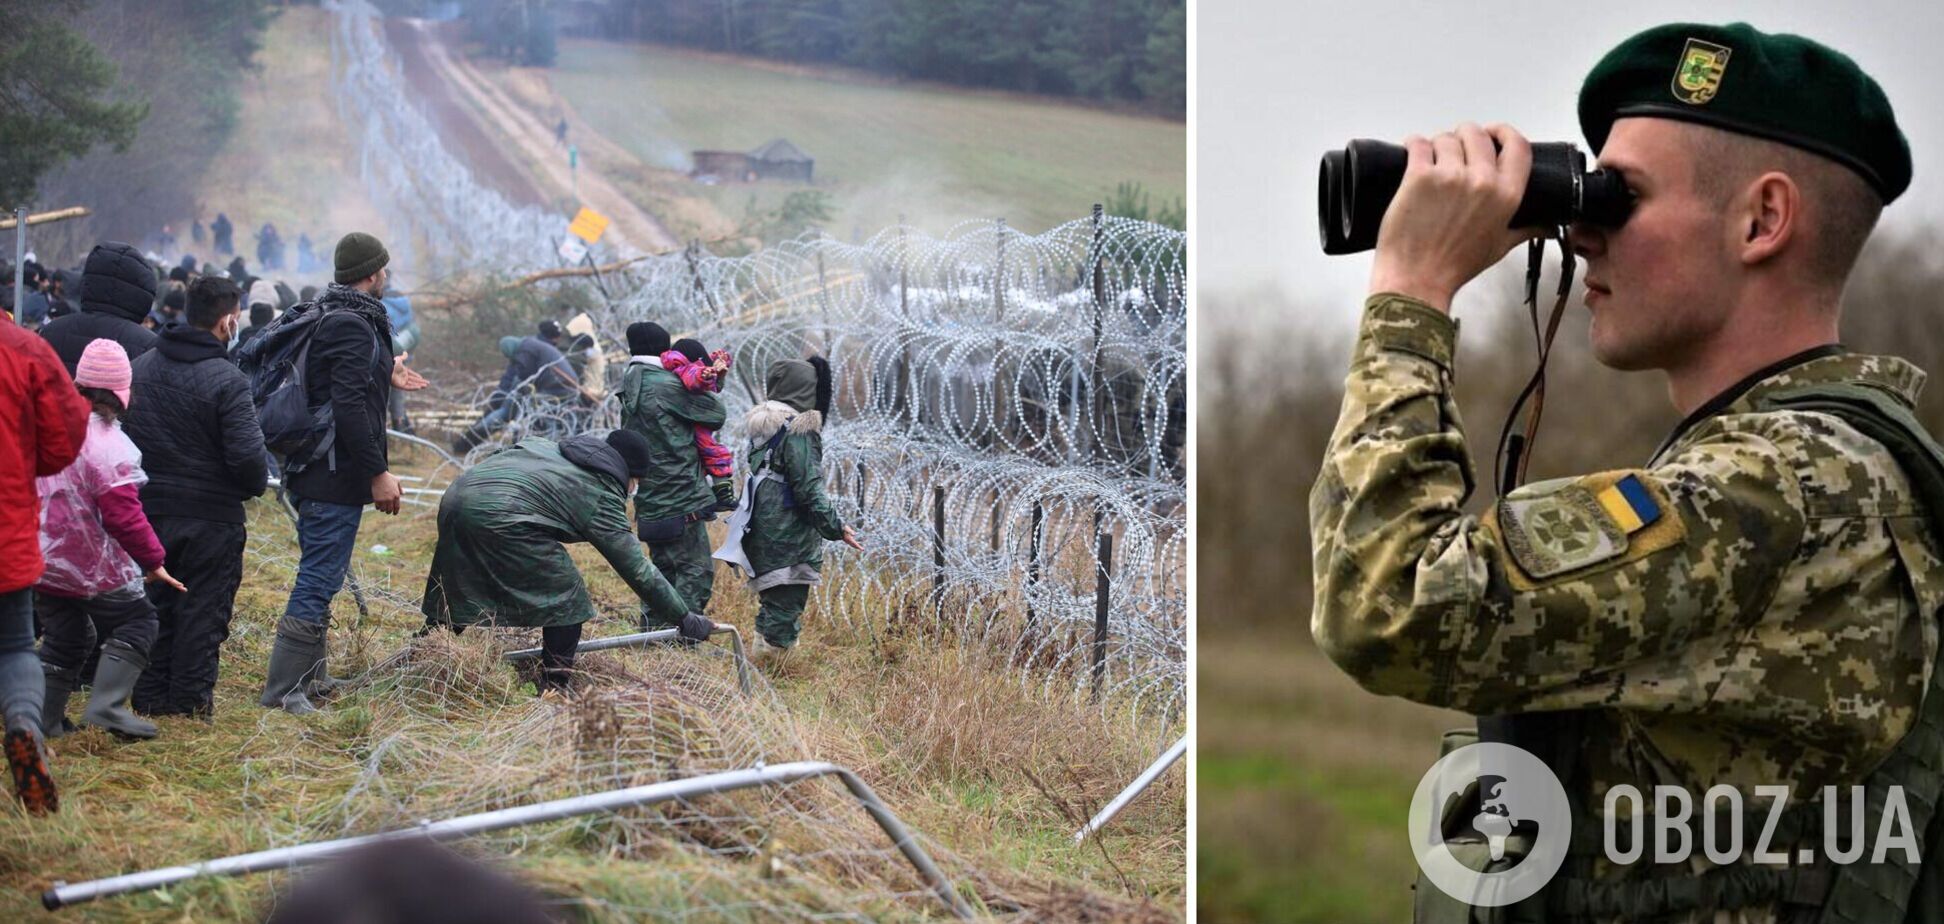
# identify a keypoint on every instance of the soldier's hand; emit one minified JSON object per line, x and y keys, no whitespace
{"x":1448,"y":221}
{"x":386,"y":492}
{"x":850,"y":539}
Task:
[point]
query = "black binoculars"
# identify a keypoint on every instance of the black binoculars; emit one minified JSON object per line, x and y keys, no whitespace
{"x":1356,"y":184}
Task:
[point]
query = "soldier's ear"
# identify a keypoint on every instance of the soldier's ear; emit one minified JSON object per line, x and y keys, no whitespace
{"x":1767,"y":211}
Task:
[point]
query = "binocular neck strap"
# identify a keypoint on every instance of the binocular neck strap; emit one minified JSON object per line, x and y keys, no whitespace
{"x":1515,"y":449}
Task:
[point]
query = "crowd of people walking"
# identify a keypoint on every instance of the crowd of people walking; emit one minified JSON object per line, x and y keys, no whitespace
{"x":138,"y":425}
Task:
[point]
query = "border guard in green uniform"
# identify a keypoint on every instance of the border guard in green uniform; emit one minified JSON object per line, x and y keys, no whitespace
{"x":1758,"y":603}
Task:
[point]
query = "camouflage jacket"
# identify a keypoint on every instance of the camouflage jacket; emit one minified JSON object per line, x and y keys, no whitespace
{"x":655,"y":405}
{"x":1750,"y":608}
{"x":789,"y":519}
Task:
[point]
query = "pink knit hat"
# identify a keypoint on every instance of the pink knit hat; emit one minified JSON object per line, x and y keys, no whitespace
{"x":104,"y":364}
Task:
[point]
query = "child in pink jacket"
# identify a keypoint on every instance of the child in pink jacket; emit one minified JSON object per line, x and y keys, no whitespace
{"x":99,"y":551}
{"x":701,"y":370}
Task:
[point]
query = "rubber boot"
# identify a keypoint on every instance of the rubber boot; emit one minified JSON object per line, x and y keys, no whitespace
{"x":114,"y":681}
{"x":60,"y":686}
{"x":297,"y":656}
{"x":324,"y":686}
{"x":27,"y":764}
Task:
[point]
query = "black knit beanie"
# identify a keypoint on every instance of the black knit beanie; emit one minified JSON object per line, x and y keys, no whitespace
{"x":634,"y":449}
{"x":646,"y":338}
{"x":691,"y":348}
{"x":358,"y":256}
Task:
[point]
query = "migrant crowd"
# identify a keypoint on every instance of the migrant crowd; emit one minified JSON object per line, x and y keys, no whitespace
{"x":136,"y":426}
{"x":271,"y":251}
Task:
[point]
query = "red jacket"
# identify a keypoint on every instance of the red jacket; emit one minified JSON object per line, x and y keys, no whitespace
{"x":42,"y":423}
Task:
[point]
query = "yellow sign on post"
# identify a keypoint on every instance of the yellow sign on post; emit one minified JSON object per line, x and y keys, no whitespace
{"x":588,"y":225}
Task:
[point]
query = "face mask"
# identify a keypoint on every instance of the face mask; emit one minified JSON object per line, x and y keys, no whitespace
{"x":235,"y":333}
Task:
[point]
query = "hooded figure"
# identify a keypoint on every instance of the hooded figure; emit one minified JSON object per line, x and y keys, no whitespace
{"x":789,"y":516}
{"x":117,"y":292}
{"x":503,"y":525}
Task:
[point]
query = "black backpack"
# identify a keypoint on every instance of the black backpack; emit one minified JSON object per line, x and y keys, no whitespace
{"x":275,"y":362}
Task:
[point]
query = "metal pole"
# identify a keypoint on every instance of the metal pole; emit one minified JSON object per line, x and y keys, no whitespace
{"x":20,"y":265}
{"x":63,"y":894}
{"x":599,"y":283}
{"x":1101,"y":581}
{"x":637,"y":639}
{"x":1140,"y":785}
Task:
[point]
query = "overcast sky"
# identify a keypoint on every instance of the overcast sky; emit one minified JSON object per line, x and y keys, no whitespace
{"x":1279,"y":82}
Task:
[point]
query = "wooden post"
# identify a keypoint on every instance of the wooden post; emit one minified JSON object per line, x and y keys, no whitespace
{"x":1101,"y":579}
{"x":1033,"y":566}
{"x":938,"y":551}
{"x":907,"y":386}
{"x":823,"y":300}
{"x":998,"y":517}
{"x":1100,"y":310}
{"x":999,"y":277}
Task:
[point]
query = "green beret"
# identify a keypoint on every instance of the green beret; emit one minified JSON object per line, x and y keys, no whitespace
{"x":1784,"y":88}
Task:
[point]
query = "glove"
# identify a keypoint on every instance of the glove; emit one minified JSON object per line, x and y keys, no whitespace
{"x":725,"y":495}
{"x":696,"y":627}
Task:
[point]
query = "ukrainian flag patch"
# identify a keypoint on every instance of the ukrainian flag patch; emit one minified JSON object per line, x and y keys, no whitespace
{"x":1628,"y":502}
{"x":1553,"y":529}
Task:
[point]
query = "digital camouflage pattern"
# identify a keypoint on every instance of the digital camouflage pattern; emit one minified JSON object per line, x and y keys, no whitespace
{"x":1770,"y":626}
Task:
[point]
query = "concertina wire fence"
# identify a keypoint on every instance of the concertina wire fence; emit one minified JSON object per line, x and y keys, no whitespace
{"x":1038,"y":382}
{"x":1034,"y":383}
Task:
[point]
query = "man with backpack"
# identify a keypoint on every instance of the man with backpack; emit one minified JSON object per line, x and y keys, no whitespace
{"x":202,"y":448}
{"x":346,"y":370}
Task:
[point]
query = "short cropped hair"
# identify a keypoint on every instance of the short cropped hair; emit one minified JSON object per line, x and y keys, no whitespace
{"x":211,"y":299}
{"x":1841,"y":204}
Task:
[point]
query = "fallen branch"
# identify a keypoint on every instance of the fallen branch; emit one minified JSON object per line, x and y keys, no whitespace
{"x":41,"y":218}
{"x":423,"y":300}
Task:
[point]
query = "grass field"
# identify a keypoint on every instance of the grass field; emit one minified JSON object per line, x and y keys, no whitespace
{"x":935,"y":155}
{"x":946,"y":736}
{"x":291,"y":161}
{"x":1303,"y":785}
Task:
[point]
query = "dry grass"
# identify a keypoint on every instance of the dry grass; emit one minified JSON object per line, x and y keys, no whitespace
{"x":947,"y":736}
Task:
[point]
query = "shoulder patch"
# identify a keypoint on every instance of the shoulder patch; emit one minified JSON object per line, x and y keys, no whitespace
{"x":1556,"y":527}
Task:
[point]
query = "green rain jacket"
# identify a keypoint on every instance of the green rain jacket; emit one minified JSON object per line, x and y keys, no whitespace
{"x":655,"y":405}
{"x":789,"y":518}
{"x":500,"y":556}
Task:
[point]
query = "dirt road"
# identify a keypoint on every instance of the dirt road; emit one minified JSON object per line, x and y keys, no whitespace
{"x":456,"y":126}
{"x":517,"y":139}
